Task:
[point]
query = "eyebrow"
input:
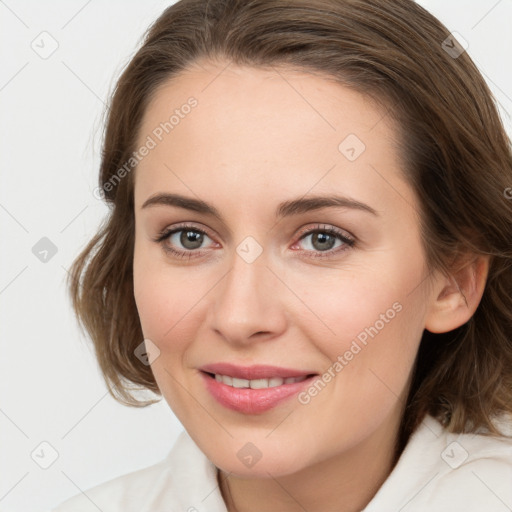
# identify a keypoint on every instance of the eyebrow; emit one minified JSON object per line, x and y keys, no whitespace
{"x":284,"y":209}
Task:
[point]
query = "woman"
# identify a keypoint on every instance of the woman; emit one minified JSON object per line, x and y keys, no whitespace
{"x":309,"y":257}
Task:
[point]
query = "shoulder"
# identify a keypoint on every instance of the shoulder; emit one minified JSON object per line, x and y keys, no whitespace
{"x":167,"y":485}
{"x":476,"y":470}
{"x":442,"y":471}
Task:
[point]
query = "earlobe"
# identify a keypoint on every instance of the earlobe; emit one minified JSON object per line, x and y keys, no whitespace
{"x":458,"y":296}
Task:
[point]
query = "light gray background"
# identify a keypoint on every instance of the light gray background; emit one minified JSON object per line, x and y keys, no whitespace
{"x":50,"y":139}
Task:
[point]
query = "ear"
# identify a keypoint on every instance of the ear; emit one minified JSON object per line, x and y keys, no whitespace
{"x":457,"y":296}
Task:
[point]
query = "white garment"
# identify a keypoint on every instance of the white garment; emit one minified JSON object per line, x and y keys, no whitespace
{"x":437,"y":472}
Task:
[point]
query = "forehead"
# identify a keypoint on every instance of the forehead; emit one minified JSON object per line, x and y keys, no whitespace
{"x":233,"y":96}
{"x":257,"y":128}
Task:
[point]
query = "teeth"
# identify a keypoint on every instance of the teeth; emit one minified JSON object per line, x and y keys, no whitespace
{"x":256,"y":383}
{"x":264,"y":383}
{"x":239,"y":383}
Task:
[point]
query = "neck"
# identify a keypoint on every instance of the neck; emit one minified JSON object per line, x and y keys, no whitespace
{"x":345,"y":482}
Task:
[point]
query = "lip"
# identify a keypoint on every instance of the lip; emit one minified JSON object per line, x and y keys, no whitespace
{"x":253,"y":401}
{"x":253,"y":372}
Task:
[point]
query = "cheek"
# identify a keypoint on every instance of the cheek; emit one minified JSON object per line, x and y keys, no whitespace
{"x":351,"y":303}
{"x":169,"y":302}
{"x":166,"y":312}
{"x":368,"y":362}
{"x":369,"y":324}
{"x":162,"y":304}
{"x":156,"y":295}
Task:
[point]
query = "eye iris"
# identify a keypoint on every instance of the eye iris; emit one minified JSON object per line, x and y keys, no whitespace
{"x":321,"y":238}
{"x":191,"y":237}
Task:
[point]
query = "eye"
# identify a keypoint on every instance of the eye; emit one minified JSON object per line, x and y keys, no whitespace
{"x":189,"y":237}
{"x":323,"y":240}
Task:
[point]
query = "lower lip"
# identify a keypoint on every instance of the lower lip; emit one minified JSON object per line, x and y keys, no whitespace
{"x":252,"y":401}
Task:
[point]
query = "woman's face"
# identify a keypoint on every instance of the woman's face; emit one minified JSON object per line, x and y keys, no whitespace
{"x":299,"y":249}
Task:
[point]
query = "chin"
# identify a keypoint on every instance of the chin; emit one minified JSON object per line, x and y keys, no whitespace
{"x":264,"y":468}
{"x":257,"y":459}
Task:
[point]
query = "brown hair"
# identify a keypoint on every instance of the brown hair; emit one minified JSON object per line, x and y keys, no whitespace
{"x":456,"y":155}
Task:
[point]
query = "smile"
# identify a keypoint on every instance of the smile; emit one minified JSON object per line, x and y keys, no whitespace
{"x":257,"y":383}
{"x":253,"y":396}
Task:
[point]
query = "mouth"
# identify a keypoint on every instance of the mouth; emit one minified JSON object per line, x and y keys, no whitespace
{"x":272,"y":382}
{"x":255,"y":372}
{"x":254,"y":395}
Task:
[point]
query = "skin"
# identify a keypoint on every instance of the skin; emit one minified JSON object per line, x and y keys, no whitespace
{"x":257,"y":138}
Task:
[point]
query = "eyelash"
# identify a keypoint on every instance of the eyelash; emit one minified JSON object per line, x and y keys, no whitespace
{"x":166,"y":233}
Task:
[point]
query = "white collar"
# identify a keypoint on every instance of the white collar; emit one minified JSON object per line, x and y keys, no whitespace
{"x":189,"y":480}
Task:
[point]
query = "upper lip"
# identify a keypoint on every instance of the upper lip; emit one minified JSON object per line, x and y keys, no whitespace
{"x":253,"y":372}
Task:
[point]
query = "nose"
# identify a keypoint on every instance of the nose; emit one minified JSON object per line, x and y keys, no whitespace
{"x":247,"y":304}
